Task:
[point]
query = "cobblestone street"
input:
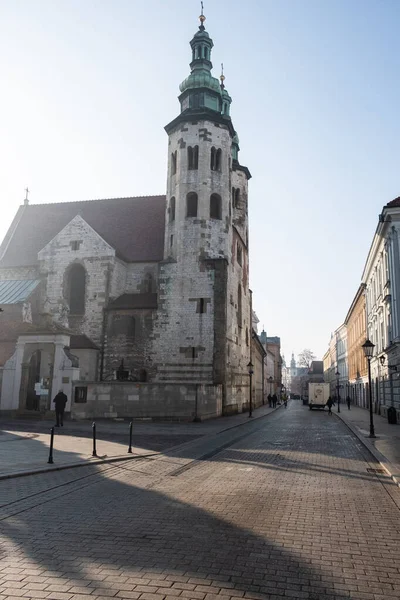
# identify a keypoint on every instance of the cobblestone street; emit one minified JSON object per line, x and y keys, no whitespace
{"x":289,"y":505}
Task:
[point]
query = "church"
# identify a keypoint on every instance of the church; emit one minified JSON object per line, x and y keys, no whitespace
{"x":138,"y":306}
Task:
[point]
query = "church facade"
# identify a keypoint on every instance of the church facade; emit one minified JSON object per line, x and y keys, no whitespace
{"x":142,"y":297}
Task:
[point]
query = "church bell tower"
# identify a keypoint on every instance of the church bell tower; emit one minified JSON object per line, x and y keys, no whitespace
{"x":204,"y":275}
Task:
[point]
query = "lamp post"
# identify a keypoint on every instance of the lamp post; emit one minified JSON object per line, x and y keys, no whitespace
{"x":368,"y":348}
{"x":250,"y":371}
{"x":338,"y":390}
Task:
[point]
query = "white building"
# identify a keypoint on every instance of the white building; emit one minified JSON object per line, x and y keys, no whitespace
{"x":381,"y":277}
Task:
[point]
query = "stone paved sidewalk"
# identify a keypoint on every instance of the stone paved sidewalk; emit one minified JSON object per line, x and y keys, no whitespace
{"x":24,"y":445}
{"x":385,"y":447}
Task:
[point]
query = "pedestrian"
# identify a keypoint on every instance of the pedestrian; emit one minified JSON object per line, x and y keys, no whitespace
{"x":60,"y":401}
{"x":270,"y":400}
{"x":329,"y":403}
{"x":274,"y":400}
{"x":348,"y":402}
{"x":285,"y":400}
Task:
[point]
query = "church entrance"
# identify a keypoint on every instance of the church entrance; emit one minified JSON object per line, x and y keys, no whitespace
{"x":32,"y":399}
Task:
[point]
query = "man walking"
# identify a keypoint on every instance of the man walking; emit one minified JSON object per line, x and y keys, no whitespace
{"x":329,"y":405}
{"x":348,"y":402}
{"x":60,"y":401}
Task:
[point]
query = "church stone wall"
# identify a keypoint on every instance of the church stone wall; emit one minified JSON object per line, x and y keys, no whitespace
{"x":185,"y":402}
{"x":97,"y":258}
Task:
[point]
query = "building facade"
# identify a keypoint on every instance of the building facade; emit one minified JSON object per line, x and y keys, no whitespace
{"x":152,"y":291}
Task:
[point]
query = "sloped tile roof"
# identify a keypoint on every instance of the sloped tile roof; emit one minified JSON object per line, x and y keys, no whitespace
{"x":133,"y":226}
{"x":14,"y":291}
{"x":394,"y":203}
{"x":81,"y":342}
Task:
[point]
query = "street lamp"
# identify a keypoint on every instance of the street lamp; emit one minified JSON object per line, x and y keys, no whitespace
{"x":338,"y":390}
{"x":250,"y":370}
{"x":368,"y":348}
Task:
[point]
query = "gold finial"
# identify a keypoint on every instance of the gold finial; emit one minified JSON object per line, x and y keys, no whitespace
{"x":222,"y":76}
{"x":202,"y":17}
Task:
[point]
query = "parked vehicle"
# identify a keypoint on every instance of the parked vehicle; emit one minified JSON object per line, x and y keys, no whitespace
{"x":318,"y":394}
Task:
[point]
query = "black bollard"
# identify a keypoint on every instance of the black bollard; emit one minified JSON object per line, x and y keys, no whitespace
{"x":50,"y":461}
{"x":94,"y":439}
{"x":130,"y":438}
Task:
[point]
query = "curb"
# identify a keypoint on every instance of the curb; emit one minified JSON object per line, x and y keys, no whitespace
{"x":101,"y":461}
{"x":388,"y":467}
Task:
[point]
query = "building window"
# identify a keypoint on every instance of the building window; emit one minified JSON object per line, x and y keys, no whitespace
{"x":239,"y":254}
{"x":172,"y":209}
{"x":75,"y":244}
{"x":124,"y":325}
{"x":171,"y":241}
{"x":237,"y":198}
{"x":202,"y":306}
{"x":76,"y":289}
{"x":193,"y":158}
{"x":239,"y":305}
{"x":215,"y":206}
{"x":191,"y":204}
{"x":216,"y":156}
{"x":233,"y":197}
{"x":173,"y":162}
{"x":148,"y":283}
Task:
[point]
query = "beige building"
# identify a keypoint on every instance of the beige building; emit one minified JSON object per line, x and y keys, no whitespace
{"x":356,"y":335}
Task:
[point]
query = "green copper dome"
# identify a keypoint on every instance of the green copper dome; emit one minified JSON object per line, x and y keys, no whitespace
{"x":200,"y":79}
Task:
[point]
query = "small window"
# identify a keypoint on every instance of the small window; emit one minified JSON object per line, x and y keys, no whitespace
{"x":239,"y":254}
{"x":215,"y":207}
{"x":171,"y":241}
{"x":237,"y":198}
{"x":123,"y":325}
{"x":239,"y":306}
{"x":75,"y":244}
{"x":172,"y":209}
{"x":191,"y":204}
{"x":233,"y":197}
{"x":202,"y":306}
{"x":81,"y":395}
{"x":173,"y":162}
{"x":193,"y":157}
{"x":216,"y":156}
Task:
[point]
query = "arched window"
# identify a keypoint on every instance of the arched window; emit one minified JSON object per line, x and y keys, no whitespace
{"x":172,"y":209}
{"x":218,"y":159}
{"x":239,"y":305}
{"x":237,"y":198}
{"x":239,"y":254}
{"x":233,"y":197}
{"x":76,"y":289}
{"x":216,"y":156}
{"x":173,"y":163}
{"x":212,"y":163}
{"x":191,"y":204}
{"x":193,"y":157}
{"x":215,"y":206}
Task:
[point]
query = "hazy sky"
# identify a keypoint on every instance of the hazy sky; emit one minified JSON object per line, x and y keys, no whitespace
{"x":88,"y":86}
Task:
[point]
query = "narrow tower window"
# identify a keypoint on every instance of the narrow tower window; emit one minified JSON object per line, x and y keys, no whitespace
{"x":172,"y":209}
{"x":216,"y":156}
{"x":191,"y":204}
{"x":239,"y":305}
{"x":215,"y":206}
{"x":237,"y":198}
{"x":193,"y":157}
{"x":173,"y":163}
{"x":239,"y":254}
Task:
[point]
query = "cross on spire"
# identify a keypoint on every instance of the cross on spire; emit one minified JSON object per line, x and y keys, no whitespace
{"x":26,"y":201}
{"x":202,"y":17}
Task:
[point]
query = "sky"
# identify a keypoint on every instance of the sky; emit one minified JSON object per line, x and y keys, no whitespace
{"x":87,"y":88}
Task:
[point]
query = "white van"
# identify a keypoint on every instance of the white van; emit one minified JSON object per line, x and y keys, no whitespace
{"x":318,"y":394}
